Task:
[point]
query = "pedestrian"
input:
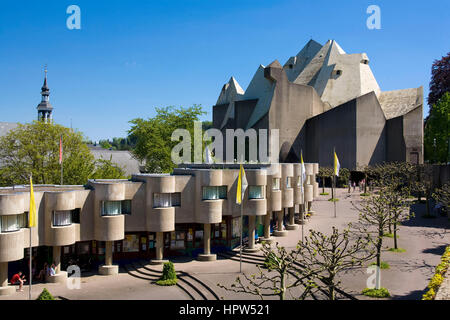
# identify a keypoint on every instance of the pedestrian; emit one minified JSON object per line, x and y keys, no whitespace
{"x":18,"y":278}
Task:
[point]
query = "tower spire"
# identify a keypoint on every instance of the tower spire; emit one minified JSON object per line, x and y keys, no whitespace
{"x":45,"y":109}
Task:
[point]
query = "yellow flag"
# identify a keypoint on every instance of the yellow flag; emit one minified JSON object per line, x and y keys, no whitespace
{"x":32,"y":212}
{"x":241,"y":186}
{"x":337,"y":165}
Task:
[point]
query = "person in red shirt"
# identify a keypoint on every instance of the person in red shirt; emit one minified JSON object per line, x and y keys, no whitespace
{"x":18,"y":278}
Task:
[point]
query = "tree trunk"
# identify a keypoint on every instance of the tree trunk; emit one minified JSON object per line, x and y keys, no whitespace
{"x":395,"y":234}
{"x":323,"y":184}
{"x":379,"y":245}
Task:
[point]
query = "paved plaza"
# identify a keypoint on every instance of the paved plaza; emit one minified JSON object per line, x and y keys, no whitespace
{"x":424,"y":240}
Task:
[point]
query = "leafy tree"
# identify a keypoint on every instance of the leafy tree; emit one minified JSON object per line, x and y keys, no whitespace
{"x":278,"y":279}
{"x":442,"y":195}
{"x":105,"y":144}
{"x":153,"y":136}
{"x":326,"y":256}
{"x":344,"y":176}
{"x":423,"y":185}
{"x":34,"y":149}
{"x":374,"y":220}
{"x":106,"y":168}
{"x":440,"y":79}
{"x":437,"y":133}
{"x":324,"y":172}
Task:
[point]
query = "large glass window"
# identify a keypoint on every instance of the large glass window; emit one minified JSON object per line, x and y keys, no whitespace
{"x":276,"y":184}
{"x":111,"y":208}
{"x":256,"y":192}
{"x":161,"y":200}
{"x":62,"y":218}
{"x":13,"y":222}
{"x":214,"y":193}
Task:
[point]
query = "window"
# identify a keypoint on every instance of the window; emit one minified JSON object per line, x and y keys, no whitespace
{"x":111,"y":208}
{"x":256,"y":192}
{"x":214,"y":193}
{"x":288,"y":182}
{"x":175,"y":198}
{"x":161,"y":200}
{"x":13,"y":222}
{"x":62,"y":218}
{"x":126,"y":207}
{"x":76,"y":215}
{"x":276,"y":184}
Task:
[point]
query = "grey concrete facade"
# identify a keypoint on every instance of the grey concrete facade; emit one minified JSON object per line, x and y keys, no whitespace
{"x":323,"y":99}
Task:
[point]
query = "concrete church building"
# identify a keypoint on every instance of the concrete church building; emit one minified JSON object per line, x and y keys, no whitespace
{"x":324,"y":98}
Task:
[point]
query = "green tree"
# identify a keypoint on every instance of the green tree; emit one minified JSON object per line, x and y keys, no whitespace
{"x":108,"y":169}
{"x":105,"y":144}
{"x":437,"y":133}
{"x":325,"y":172}
{"x":153,"y":136}
{"x":33,"y":148}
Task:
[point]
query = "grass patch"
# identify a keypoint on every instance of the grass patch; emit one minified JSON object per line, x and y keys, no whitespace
{"x":376,"y":293}
{"x":333,"y":199}
{"x":389,"y":235}
{"x":168,"y":282}
{"x":396,"y":250}
{"x":324,"y":193}
{"x":365,"y":194}
{"x":383,"y":265}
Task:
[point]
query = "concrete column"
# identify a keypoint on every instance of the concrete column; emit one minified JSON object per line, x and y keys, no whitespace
{"x":108,"y":253}
{"x":60,"y":276}
{"x":57,"y":258}
{"x":159,"y":245}
{"x":3,"y":274}
{"x":207,"y":238}
{"x":280,"y":232}
{"x":266,"y":237}
{"x":292,"y":225}
{"x":206,"y":256}
{"x":4,"y":288}
{"x":108,"y":268}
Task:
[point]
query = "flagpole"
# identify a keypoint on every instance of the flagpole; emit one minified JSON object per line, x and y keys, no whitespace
{"x":302,"y":211}
{"x":334,"y":181}
{"x":240,"y":247}
{"x":30,"y":279}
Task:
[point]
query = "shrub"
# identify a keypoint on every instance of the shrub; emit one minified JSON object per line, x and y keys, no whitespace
{"x":376,"y":293}
{"x":438,"y":277}
{"x":169,"y":276}
{"x":45,"y":295}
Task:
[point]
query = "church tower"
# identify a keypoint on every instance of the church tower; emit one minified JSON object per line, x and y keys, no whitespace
{"x":44,"y":108}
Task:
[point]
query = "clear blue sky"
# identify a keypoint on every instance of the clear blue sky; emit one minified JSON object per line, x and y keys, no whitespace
{"x":132,"y":56}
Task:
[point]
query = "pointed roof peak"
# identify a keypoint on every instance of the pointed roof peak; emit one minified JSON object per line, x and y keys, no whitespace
{"x":275,"y":64}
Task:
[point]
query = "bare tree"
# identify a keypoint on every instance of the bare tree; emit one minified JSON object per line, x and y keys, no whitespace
{"x":277,"y":279}
{"x":326,"y":256}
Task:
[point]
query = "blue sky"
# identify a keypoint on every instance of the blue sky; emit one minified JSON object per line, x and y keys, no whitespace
{"x":132,"y":56}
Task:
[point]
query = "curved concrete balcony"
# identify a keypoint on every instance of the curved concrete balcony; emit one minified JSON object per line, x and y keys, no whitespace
{"x":60,"y":201}
{"x":275,"y":200}
{"x":161,"y":219}
{"x":13,"y":203}
{"x":315,"y":168}
{"x":163,"y":184}
{"x":11,"y":246}
{"x":287,"y":170}
{"x":209,"y":211}
{"x":275,"y":170}
{"x":309,"y":192}
{"x":110,"y":228}
{"x":255,"y":207}
{"x":316,"y":189}
{"x":297,"y":169}
{"x":105,"y":191}
{"x":256,"y":177}
{"x":210,"y":178}
{"x":288,"y":198}
{"x":298,"y":196}
{"x":309,"y":167}
{"x":61,"y":236}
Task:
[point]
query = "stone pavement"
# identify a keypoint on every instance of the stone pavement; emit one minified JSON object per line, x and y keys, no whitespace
{"x":424,"y":240}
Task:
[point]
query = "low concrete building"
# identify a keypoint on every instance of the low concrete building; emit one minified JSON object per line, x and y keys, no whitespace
{"x":324,"y":98}
{"x":191,"y":212}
